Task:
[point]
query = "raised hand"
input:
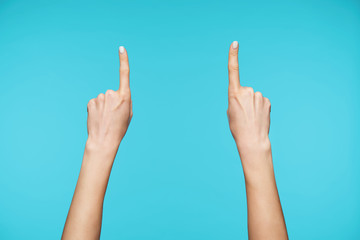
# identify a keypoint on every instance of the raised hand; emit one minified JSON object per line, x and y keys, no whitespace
{"x":248,"y":112}
{"x":109,"y":114}
{"x":249,"y":120}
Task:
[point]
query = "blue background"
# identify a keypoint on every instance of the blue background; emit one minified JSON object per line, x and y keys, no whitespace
{"x":177,"y":174}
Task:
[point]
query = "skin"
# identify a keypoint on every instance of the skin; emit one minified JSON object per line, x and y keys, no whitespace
{"x":109,"y":116}
{"x":249,"y":119}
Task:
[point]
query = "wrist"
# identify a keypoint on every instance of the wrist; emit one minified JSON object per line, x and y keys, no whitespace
{"x":259,"y":175}
{"x":253,"y":146}
{"x":99,"y":152}
{"x":98,"y":146}
{"x":256,"y":160}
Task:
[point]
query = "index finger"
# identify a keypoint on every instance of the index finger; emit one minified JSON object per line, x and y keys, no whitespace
{"x":233,"y":66}
{"x":124,"y":70}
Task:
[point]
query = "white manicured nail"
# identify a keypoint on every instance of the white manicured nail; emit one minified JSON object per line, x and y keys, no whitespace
{"x":121,"y":49}
{"x":235,"y":44}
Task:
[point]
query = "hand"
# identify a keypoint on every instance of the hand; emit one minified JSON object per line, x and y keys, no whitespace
{"x":248,"y":112}
{"x":109,"y":114}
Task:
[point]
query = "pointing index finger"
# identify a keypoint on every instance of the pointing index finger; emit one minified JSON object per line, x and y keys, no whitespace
{"x":233,"y":66}
{"x":124,"y":70}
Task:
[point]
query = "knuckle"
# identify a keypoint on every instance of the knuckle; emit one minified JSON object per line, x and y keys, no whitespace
{"x":258,"y":95}
{"x":109,"y":93}
{"x":126,"y":94}
{"x":233,"y":66}
{"x":267,"y":101}
{"x":101,"y":96}
{"x":125,"y":69}
{"x":233,"y":98}
{"x":91,"y":103}
{"x":233,"y":52}
{"x":233,"y":93}
{"x":249,"y":90}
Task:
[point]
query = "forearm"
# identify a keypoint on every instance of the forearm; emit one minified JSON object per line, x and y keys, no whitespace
{"x":85,"y":214}
{"x":265,"y":216}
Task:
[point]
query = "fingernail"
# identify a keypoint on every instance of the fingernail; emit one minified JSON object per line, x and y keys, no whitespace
{"x":121,"y":49}
{"x":235,"y":44}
